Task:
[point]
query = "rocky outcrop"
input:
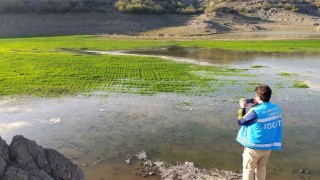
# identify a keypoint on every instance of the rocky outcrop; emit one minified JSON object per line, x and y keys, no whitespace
{"x":24,"y":159}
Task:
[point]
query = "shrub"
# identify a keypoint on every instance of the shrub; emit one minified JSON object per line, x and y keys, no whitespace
{"x":291,"y":7}
{"x":120,"y":4}
{"x":294,"y":9}
{"x":80,"y":7}
{"x":5,"y":6}
{"x":121,"y":9}
{"x":18,"y":6}
{"x":41,"y":6}
{"x":317,"y":3}
{"x":180,"y":4}
{"x":189,"y":10}
{"x":58,"y":6}
{"x":158,"y":9}
{"x":63,"y":6}
{"x":211,"y":5}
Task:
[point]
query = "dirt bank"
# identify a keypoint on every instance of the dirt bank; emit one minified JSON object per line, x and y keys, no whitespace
{"x":167,"y":25}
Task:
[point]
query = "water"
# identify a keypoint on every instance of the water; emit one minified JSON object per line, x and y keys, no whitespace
{"x":98,"y":133}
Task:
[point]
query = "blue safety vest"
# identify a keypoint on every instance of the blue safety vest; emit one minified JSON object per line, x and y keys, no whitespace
{"x":266,"y":132}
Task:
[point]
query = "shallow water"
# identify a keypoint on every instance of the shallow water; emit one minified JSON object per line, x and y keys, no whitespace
{"x":99,"y":132}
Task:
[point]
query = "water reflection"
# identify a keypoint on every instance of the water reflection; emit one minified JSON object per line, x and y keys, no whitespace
{"x":218,"y":56}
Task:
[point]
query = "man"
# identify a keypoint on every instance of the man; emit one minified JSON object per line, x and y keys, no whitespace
{"x":260,"y":132}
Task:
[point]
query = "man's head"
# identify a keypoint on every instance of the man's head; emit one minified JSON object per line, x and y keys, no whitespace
{"x":263,"y":92}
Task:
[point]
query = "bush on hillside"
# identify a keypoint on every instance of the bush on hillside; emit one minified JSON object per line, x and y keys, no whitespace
{"x":135,"y":6}
{"x":56,"y":6}
{"x":291,"y":7}
{"x":157,"y":7}
{"x":63,"y":7}
{"x":317,"y":3}
{"x":189,"y":10}
{"x":211,"y":5}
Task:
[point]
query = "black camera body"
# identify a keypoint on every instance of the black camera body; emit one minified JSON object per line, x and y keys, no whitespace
{"x":249,"y":101}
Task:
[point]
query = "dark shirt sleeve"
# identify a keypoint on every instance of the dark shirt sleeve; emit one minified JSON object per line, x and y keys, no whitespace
{"x":246,"y":118}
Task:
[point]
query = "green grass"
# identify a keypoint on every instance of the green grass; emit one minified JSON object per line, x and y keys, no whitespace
{"x":64,"y":73}
{"x":52,"y":66}
{"x":258,"y":66}
{"x":300,"y":84}
{"x":286,"y":74}
{"x":40,"y":44}
{"x":102,"y":43}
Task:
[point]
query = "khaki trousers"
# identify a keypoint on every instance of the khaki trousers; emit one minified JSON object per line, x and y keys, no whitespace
{"x":255,"y":164}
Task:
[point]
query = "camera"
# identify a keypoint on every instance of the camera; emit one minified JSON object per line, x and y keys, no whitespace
{"x":249,"y":101}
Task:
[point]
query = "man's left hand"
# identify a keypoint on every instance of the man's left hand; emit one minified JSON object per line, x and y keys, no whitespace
{"x":242,"y":103}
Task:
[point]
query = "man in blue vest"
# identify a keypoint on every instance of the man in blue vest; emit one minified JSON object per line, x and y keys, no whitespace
{"x":260,"y":132}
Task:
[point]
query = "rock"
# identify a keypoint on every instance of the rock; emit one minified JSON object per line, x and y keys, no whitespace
{"x":15,"y":173}
{"x":4,"y":156}
{"x":28,"y":154}
{"x":3,"y":165}
{"x":4,"y":150}
{"x":63,"y":167}
{"x":26,"y":160}
{"x":39,"y":174}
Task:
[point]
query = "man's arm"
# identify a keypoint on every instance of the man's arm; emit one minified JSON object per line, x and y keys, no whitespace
{"x":246,"y":118}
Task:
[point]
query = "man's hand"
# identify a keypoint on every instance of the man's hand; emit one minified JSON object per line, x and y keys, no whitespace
{"x":242,"y":103}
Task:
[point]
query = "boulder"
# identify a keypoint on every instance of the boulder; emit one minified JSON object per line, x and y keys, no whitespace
{"x":4,"y":156}
{"x":28,"y":155}
{"x":24,"y":159}
{"x":15,"y":173}
{"x":4,"y":150}
{"x":62,"y":167}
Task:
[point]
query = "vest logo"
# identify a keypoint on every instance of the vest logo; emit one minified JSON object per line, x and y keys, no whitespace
{"x":272,"y":125}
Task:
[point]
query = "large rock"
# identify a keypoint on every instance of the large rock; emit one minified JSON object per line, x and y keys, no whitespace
{"x":28,"y":155}
{"x":63,"y":168}
{"x":15,"y":173}
{"x":4,"y":156}
{"x":3,"y":165}
{"x":26,"y":160}
{"x":4,"y":150}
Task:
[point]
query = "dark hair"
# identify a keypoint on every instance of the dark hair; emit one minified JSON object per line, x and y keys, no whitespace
{"x":264,"y":92}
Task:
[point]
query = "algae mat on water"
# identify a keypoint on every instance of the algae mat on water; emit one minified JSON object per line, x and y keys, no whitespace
{"x":39,"y":66}
{"x":59,"y":73}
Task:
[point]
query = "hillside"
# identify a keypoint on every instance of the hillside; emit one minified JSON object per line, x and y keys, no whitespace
{"x":156,"y":6}
{"x":101,"y":17}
